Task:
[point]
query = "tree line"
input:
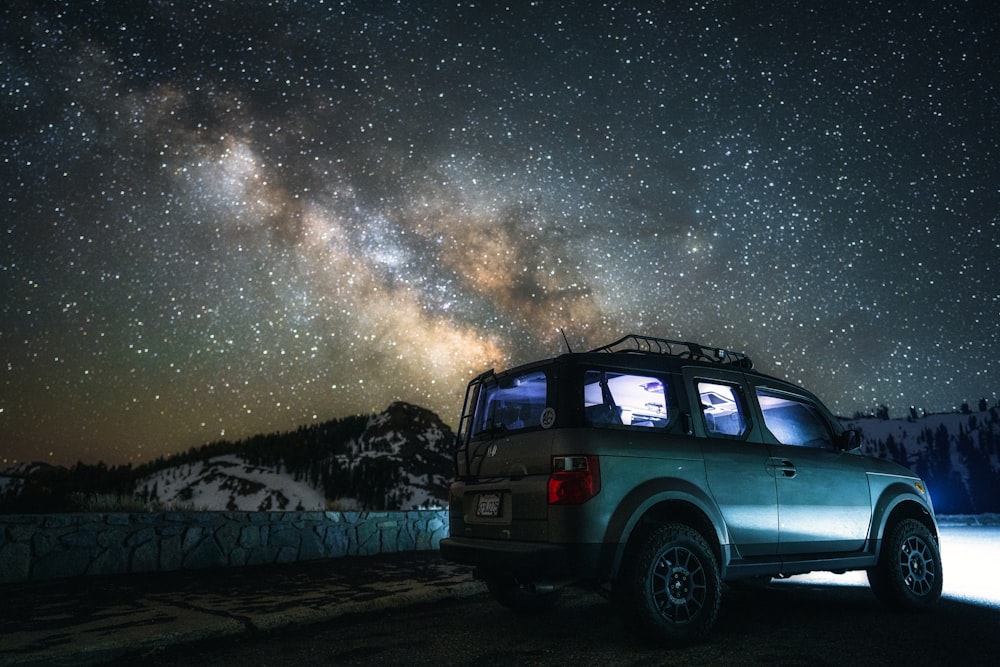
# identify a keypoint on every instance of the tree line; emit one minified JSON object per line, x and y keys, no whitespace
{"x":325,"y":455}
{"x":960,"y":464}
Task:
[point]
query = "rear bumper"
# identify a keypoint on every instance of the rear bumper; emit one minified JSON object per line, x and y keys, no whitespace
{"x":525,"y":560}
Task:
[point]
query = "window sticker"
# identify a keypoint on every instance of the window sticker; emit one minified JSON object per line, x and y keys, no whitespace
{"x":548,"y":418}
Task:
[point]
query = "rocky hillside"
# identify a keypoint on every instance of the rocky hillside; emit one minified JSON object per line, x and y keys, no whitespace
{"x":398,"y":459}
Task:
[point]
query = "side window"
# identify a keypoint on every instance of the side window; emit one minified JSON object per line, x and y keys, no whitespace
{"x":722,"y":409}
{"x":513,"y":404}
{"x":793,"y":421}
{"x":622,"y":399}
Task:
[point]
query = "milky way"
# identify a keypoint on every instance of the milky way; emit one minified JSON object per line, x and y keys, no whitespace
{"x":229,"y":218}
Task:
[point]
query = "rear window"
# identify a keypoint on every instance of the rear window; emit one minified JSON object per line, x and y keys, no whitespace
{"x":511,"y":404}
{"x":623,"y":399}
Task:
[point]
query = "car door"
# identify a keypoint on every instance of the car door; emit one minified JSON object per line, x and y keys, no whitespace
{"x":824,"y":504}
{"x":735,"y":464}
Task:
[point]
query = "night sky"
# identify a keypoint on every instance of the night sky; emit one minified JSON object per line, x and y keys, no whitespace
{"x":229,"y":218}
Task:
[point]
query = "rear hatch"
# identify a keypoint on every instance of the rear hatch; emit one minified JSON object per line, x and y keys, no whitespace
{"x":504,"y":458}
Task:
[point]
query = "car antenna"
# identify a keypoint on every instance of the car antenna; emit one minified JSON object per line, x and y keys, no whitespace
{"x":565,"y":340}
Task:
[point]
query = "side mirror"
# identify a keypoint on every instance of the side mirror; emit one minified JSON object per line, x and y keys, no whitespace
{"x":850,"y":440}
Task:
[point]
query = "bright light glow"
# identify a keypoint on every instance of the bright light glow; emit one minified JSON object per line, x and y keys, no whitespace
{"x":968,"y":553}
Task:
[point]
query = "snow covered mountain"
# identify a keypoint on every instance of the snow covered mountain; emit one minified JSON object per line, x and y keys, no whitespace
{"x":229,"y":482}
{"x":399,"y":459}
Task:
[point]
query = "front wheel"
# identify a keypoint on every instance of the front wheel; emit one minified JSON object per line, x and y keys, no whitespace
{"x":672,"y":587}
{"x":908,"y":574}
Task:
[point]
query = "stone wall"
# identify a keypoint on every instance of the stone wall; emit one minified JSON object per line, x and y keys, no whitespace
{"x":52,"y":546}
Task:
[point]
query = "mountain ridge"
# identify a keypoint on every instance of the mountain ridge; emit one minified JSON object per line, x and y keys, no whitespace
{"x":401,"y":459}
{"x":397,"y":459}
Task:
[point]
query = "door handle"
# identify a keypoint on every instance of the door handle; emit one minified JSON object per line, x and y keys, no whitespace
{"x":781,"y":467}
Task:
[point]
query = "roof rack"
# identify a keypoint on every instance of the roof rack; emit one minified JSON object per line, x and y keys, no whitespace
{"x":635,"y":343}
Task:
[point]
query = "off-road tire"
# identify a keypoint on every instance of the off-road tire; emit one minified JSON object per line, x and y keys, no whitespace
{"x":672,"y":590}
{"x":908,"y":574}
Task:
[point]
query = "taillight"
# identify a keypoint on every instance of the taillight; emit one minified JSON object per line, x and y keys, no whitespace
{"x":574,"y":479}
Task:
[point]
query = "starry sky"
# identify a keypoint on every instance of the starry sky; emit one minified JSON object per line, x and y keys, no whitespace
{"x":228,"y":218}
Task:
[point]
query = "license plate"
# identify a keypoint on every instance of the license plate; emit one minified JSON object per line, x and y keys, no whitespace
{"x":489,"y":505}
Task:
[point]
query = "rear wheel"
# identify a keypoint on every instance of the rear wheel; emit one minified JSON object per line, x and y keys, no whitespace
{"x":672,"y":587}
{"x":514,"y":595}
{"x":908,"y":574}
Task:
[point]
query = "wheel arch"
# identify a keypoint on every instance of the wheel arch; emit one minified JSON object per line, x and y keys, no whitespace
{"x":896,"y":503}
{"x":661,"y":501}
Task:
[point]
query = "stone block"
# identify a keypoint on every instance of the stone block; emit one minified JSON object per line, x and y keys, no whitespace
{"x":249,"y":537}
{"x":111,"y":536}
{"x":285,"y":536}
{"x":193,"y":536}
{"x":79,"y":539}
{"x":437,"y":536}
{"x":145,"y":558}
{"x":21,"y":532}
{"x":258,"y":518}
{"x":335,"y":542}
{"x":140,"y":536}
{"x":287,"y":555}
{"x":113,"y":560}
{"x":308,"y":519}
{"x":43,"y":543}
{"x":310,"y":545}
{"x":171,"y":529}
{"x":204,"y":554}
{"x":406,"y":539}
{"x":15,"y":563}
{"x":228,"y":534}
{"x":171,"y":553}
{"x":57,"y":520}
{"x":368,"y":539}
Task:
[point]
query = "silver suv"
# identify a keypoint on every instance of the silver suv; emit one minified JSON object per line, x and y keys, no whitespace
{"x":654,"y":470}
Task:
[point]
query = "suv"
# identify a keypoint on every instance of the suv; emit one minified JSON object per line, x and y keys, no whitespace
{"x":654,"y":470}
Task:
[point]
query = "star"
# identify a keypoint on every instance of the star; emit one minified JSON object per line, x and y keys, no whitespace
{"x":223,"y":220}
